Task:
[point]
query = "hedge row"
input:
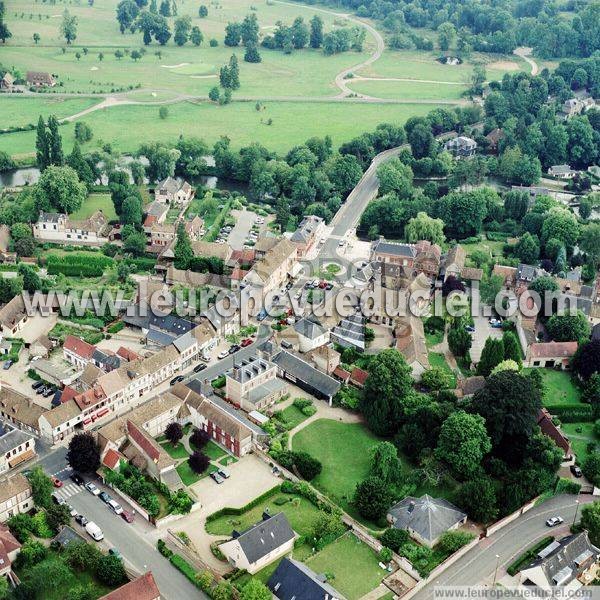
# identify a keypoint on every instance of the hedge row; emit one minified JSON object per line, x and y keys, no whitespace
{"x":528,"y":556}
{"x":240,"y":511}
{"x":572,"y":414}
{"x":141,"y":263}
{"x":77,"y":264}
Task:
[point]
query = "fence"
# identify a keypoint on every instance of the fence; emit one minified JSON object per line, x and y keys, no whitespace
{"x":138,"y":509}
{"x":503,"y":522}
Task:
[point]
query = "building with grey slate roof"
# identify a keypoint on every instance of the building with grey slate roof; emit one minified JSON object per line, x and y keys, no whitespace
{"x":293,"y":580}
{"x":350,"y":332}
{"x":16,"y":447}
{"x":426,"y":518}
{"x":261,"y":544}
{"x":567,"y":563}
{"x":311,"y":334}
{"x":295,"y":369}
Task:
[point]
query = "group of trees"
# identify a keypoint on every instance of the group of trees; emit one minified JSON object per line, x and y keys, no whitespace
{"x":490,"y":442}
{"x":4,"y":30}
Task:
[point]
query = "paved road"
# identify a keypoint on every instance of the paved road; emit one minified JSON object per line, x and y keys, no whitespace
{"x":479,"y":564}
{"x":135,"y":541}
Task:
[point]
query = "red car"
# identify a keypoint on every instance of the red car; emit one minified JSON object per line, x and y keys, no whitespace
{"x":322,"y":285}
{"x":56,"y":482}
{"x":127,"y":516}
{"x":246,"y":342}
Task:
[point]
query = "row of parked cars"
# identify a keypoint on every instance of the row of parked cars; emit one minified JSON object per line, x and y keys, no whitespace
{"x":220,"y":475}
{"x":44,"y":389}
{"x":90,"y":527}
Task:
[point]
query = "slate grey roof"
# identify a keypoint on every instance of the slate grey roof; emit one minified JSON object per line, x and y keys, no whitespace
{"x":526,"y":272}
{"x":169,"y":185}
{"x":185,"y":341}
{"x":596,"y":332}
{"x":294,"y":580}
{"x":566,"y":559}
{"x":160,"y":338}
{"x":560,"y":169}
{"x":266,"y":389}
{"x":249,"y":368}
{"x":306,"y":229}
{"x":48,"y":217}
{"x":385,"y":247}
{"x":428,"y":517}
{"x":10,"y":438}
{"x":309,"y":328}
{"x":350,"y":332}
{"x":301,"y":370}
{"x":264,"y":537}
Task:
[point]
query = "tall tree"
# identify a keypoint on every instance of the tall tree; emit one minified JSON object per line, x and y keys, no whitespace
{"x":388,"y":384}
{"x":59,"y":188}
{"x":84,"y":453}
{"x":249,"y":30}
{"x":41,"y":488}
{"x":68,"y":27}
{"x":55,"y":142}
{"x":512,"y":348}
{"x":42,"y":146}
{"x":316,"y":32}
{"x":183,"y":251}
{"x":491,"y":355}
{"x":183,"y":26}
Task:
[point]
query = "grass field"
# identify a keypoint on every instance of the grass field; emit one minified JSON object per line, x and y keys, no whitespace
{"x":177,"y":451}
{"x":580,"y":435}
{"x":352,"y":563}
{"x":126,"y":127}
{"x":18,"y":111}
{"x":292,"y":416}
{"x":559,"y":387}
{"x":93,"y":203}
{"x":405,"y":90}
{"x":344,"y":451}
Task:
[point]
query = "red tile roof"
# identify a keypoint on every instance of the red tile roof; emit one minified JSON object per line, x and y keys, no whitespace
{"x":341,"y":373}
{"x":142,"y":588}
{"x":358,"y":376}
{"x":238,"y":274}
{"x":78,"y":346}
{"x":111,"y":458}
{"x":68,"y":393}
{"x":147,"y":445}
{"x":90,"y":397}
{"x":549,"y":429}
{"x":128,"y":354}
{"x":8,"y":543}
{"x":553,"y":349}
{"x":150,"y":220}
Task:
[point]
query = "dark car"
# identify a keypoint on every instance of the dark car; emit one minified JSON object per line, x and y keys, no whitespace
{"x":37,"y":385}
{"x":81,"y":520}
{"x":104,"y":497}
{"x":7,"y":365}
{"x":177,"y":379}
{"x":49,"y":391}
{"x":234,"y":349}
{"x":41,"y":389}
{"x":576,"y":471}
{"x":199,"y":368}
{"x":77,"y":478}
{"x":127,"y":516}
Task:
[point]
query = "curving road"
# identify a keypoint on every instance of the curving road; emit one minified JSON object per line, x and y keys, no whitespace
{"x":477,"y":567}
{"x":525,"y":54}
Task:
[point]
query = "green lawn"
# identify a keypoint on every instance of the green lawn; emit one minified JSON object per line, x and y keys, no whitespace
{"x":353,"y":564}
{"x":344,"y":451}
{"x":213,"y":451}
{"x":433,"y":339}
{"x":408,"y":90}
{"x":18,"y":111}
{"x":94,"y":202}
{"x":188,"y":476}
{"x":492,"y":248}
{"x":53,"y":590}
{"x":559,"y":387}
{"x":439,"y":360}
{"x":177,"y":451}
{"x":126,"y":127}
{"x":292,"y":416}
{"x":300,"y":513}
{"x":580,"y":435}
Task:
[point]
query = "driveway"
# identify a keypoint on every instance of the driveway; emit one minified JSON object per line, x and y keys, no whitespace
{"x":244,"y":219}
{"x":250,"y":477}
{"x":483,"y":330}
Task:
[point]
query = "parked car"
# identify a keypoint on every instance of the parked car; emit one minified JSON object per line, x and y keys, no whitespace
{"x":341,"y":243}
{"x":199,"y":368}
{"x":223,"y":354}
{"x":58,"y":500}
{"x":37,"y":385}
{"x":233,"y":349}
{"x":262,"y":315}
{"x":576,"y":471}
{"x":49,"y":392}
{"x":246,"y":342}
{"x":92,"y":489}
{"x":41,"y":389}
{"x":81,"y":520}
{"x":329,"y":286}
{"x":224,"y":473}
{"x":554,"y":521}
{"x":177,"y":379}
{"x":7,"y":365}
{"x":127,"y":516}
{"x":77,"y":478}
{"x":72,"y":511}
{"x":216,"y":477}
{"x":470,"y":328}
{"x":94,"y":531}
{"x":115,"y":507}
{"x":56,"y":482}
{"x":104,"y":497}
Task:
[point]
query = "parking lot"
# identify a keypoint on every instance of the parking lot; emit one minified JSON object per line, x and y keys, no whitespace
{"x":245,"y":220}
{"x":483,"y":330}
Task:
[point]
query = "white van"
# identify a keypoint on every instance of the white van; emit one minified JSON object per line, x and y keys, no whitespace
{"x":94,"y":531}
{"x":115,"y":506}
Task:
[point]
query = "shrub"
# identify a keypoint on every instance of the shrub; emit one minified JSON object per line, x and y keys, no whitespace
{"x":567,"y":486}
{"x":394,"y":538}
{"x":184,"y":567}
{"x":162,"y":548}
{"x":385,"y":555}
{"x":451,"y":541}
{"x":116,"y":327}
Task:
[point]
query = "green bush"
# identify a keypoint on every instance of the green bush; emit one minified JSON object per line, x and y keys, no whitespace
{"x":567,"y":486}
{"x":78,"y":264}
{"x":572,"y":414}
{"x":116,"y":327}
{"x":281,"y":500}
{"x":184,"y":567}
{"x":162,"y":548}
{"x":229,"y":511}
